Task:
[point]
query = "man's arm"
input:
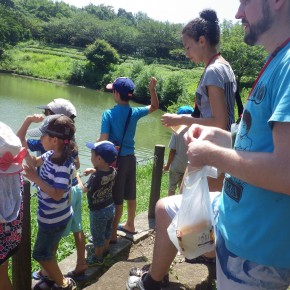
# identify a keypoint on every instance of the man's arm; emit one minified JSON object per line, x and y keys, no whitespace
{"x":268,"y":170}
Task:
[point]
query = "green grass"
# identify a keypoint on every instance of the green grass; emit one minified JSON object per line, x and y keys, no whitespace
{"x":41,"y":61}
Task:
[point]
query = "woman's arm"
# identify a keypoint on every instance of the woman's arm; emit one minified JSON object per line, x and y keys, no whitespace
{"x":218,"y":108}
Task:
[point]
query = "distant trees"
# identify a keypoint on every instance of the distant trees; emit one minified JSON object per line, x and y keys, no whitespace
{"x":13,"y":26}
{"x":128,"y":34}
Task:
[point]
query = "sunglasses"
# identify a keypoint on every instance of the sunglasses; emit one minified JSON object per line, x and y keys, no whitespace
{"x":48,"y":112}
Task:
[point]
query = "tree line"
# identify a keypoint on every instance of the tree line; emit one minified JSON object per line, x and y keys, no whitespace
{"x":130,"y":34}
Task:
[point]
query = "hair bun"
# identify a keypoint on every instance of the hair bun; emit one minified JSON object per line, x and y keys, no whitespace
{"x":209,"y":15}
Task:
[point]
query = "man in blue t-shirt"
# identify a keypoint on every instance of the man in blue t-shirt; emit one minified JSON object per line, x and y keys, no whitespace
{"x":113,"y":128}
{"x":253,"y":236}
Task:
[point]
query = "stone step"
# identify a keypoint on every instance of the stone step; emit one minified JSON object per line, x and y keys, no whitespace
{"x":144,"y":227}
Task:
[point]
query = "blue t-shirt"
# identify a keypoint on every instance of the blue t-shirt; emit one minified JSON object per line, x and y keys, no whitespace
{"x":35,"y":145}
{"x":253,"y":221}
{"x":113,"y":123}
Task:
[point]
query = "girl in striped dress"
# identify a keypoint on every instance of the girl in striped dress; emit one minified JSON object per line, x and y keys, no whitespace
{"x":54,"y":187}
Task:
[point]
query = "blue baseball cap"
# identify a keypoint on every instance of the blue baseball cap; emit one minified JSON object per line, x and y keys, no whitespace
{"x":124,"y":86}
{"x":105,"y":149}
{"x":185,"y":110}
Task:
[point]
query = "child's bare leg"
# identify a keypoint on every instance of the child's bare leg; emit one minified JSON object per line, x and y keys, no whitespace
{"x":130,"y":223}
{"x":118,"y":214}
{"x":53,"y":271}
{"x":5,"y":283}
{"x":99,"y":251}
{"x":80,"y":247}
{"x":107,"y":245}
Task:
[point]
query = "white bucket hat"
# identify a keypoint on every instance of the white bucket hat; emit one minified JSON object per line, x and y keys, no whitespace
{"x":11,"y":151}
{"x":11,"y":157}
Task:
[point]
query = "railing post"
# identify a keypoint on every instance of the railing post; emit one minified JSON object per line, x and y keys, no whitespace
{"x":21,"y":260}
{"x":156,"y":179}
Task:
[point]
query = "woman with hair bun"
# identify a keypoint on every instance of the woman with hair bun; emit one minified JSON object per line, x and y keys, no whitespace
{"x":215,"y":99}
{"x":215,"y":93}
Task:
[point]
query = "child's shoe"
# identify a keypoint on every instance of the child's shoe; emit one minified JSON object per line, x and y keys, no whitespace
{"x":95,"y":261}
{"x":106,"y":255}
{"x":71,"y":285}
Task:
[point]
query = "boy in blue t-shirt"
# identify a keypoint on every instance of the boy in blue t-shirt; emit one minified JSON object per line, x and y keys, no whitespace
{"x":113,"y":128}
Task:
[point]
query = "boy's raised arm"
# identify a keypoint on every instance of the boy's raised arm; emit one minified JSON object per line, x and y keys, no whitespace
{"x":154,"y":99}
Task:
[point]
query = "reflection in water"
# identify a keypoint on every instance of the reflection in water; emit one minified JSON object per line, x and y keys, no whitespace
{"x":20,"y":97}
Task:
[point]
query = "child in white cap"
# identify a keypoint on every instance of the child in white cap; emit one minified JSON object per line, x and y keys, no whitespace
{"x":11,"y":208}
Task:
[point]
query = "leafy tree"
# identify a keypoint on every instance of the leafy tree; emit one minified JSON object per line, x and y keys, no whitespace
{"x":80,"y":30}
{"x":123,"y":38}
{"x":245,"y":60}
{"x":158,"y":38}
{"x":101,"y":11}
{"x":13,"y":26}
{"x":7,"y":3}
{"x":102,"y":55}
{"x":128,"y":16}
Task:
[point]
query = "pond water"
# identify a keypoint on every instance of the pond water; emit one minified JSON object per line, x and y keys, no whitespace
{"x":20,"y":97}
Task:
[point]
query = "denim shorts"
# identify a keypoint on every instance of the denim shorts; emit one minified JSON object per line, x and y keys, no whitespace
{"x":101,"y":222}
{"x":46,"y":241}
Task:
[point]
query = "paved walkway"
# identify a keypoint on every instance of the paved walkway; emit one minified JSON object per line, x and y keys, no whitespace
{"x":182,"y":275}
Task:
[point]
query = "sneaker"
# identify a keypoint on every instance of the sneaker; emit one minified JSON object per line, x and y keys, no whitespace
{"x":134,"y":283}
{"x":106,"y":255}
{"x":94,"y":261}
{"x":70,"y":286}
{"x":43,"y":283}
{"x":139,"y":272}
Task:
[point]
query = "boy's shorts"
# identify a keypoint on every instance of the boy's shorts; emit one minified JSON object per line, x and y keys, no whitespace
{"x":125,"y":182}
{"x":101,"y":224}
{"x":46,"y":241}
{"x":175,"y":179}
{"x":75,"y":223}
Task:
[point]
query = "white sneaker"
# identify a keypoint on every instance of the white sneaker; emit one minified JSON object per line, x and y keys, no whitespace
{"x":134,"y":283}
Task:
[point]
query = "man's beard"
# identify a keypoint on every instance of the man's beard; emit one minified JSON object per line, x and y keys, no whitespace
{"x":256,"y":30}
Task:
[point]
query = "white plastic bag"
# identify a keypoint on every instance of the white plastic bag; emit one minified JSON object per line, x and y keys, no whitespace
{"x":191,"y":230}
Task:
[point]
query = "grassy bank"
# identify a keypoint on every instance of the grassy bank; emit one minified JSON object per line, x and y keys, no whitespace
{"x":175,"y":87}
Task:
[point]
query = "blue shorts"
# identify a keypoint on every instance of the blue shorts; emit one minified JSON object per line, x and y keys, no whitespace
{"x":75,"y":223}
{"x":236,"y":273}
{"x":101,"y":222}
{"x":46,"y":242}
{"x":233,"y":272}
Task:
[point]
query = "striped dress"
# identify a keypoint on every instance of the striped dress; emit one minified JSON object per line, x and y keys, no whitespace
{"x":52,"y":213}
